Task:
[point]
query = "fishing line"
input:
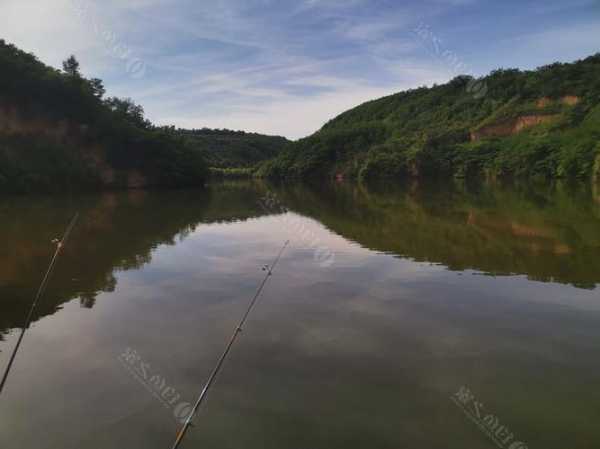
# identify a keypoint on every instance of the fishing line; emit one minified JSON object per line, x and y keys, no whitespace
{"x":238,"y":330}
{"x":59,"y":247}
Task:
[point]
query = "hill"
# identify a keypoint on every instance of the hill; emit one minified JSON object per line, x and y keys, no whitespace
{"x":233,"y":149}
{"x":58,"y":132}
{"x":511,"y":123}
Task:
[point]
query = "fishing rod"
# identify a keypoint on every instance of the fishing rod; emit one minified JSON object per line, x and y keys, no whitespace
{"x":59,"y":247}
{"x":238,"y":330}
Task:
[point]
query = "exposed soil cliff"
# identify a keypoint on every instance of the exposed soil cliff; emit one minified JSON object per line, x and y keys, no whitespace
{"x":13,"y":123}
{"x":569,"y":100}
{"x":511,"y":126}
{"x":515,"y":125}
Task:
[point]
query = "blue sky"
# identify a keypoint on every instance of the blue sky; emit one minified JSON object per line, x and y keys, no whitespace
{"x":286,"y":67}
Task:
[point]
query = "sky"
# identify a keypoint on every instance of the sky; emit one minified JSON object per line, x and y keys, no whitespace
{"x":287,"y":67}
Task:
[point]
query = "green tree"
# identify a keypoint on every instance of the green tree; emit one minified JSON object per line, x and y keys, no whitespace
{"x":97,"y":87}
{"x":71,"y":66}
{"x":127,"y":109}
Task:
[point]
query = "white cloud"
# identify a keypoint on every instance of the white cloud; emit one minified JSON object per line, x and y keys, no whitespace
{"x":291,"y":116}
{"x":294,"y":115}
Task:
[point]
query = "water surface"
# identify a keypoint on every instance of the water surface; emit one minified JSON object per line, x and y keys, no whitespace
{"x":388,"y":303}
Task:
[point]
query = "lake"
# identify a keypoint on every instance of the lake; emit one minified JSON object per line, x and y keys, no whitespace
{"x":441,"y":316}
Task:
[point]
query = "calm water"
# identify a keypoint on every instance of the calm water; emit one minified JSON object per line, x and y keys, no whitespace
{"x":387,"y":304}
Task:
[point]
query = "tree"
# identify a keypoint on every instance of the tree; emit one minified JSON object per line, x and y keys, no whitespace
{"x":97,"y":87}
{"x":71,"y":66}
{"x":130,"y":111}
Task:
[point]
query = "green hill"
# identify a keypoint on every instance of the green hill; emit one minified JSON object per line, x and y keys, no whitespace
{"x":227,"y":149}
{"x":57,"y":132}
{"x":511,"y":123}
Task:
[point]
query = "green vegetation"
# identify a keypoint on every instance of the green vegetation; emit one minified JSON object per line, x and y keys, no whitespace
{"x":224,"y":149}
{"x":542,"y":123}
{"x":57,"y":132}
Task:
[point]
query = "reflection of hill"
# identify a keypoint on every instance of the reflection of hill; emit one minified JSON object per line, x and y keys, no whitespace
{"x":116,"y":231}
{"x":549,"y":235}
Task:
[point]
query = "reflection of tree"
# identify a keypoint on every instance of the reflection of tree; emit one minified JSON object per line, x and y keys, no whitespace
{"x":87,"y":300}
{"x":551,"y":234}
{"x":546,"y":233}
{"x":116,"y":231}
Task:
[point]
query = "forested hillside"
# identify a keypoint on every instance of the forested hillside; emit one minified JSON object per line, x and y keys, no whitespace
{"x":541,"y":123}
{"x":58,"y":132}
{"x":227,"y":149}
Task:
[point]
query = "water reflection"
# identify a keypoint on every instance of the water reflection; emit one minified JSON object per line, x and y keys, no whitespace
{"x":116,"y":231}
{"x":548,"y":233}
{"x":364,"y":352}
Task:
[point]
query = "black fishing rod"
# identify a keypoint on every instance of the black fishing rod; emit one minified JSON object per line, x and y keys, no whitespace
{"x":238,"y":330}
{"x":60,"y":244}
